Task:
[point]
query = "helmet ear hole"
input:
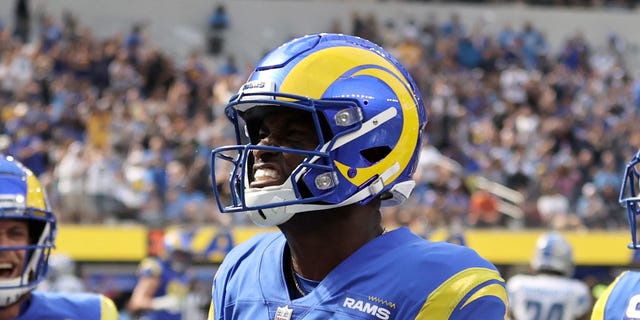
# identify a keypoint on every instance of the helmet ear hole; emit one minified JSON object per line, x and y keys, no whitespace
{"x":327,"y":134}
{"x":35,"y":230}
{"x":386,"y":196}
{"x":304,"y":190}
{"x":375,"y":154}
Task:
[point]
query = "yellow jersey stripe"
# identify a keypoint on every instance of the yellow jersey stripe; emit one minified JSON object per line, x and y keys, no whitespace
{"x":108,"y":310}
{"x":601,"y":303}
{"x":442,"y":301}
{"x":210,"y":315}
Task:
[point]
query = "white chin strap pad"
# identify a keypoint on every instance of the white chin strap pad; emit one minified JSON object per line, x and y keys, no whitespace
{"x":14,"y":291}
{"x":271,"y":216}
{"x":399,"y":193}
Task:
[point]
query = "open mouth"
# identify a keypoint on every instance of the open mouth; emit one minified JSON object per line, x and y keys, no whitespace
{"x":264,"y":177}
{"x":6,"y":270}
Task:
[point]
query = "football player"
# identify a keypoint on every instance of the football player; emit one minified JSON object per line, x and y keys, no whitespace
{"x":328,"y":130}
{"x":27,"y":235}
{"x":550,"y":293}
{"x":61,"y":276}
{"x":163,"y":281}
{"x":621,"y":300}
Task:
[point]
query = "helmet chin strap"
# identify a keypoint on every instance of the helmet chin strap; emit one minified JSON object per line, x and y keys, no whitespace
{"x":12,"y":291}
{"x":278,"y":194}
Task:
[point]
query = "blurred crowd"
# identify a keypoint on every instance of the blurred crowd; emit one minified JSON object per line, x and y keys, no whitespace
{"x":120,"y":132}
{"x":608,"y":4}
{"x":117,"y":130}
{"x":556,"y":125}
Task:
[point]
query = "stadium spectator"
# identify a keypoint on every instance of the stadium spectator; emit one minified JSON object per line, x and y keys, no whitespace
{"x":483,"y":210}
{"x":590,"y":207}
{"x":553,"y":206}
{"x":22,"y":17}
{"x":69,"y":175}
{"x":219,"y":22}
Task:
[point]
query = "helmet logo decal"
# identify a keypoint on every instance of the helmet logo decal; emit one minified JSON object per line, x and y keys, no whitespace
{"x":364,"y":63}
{"x":403,"y":149}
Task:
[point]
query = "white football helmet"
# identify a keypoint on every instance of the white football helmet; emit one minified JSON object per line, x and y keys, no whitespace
{"x":553,"y":253}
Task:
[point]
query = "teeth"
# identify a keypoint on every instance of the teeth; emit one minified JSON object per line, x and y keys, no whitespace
{"x":5,"y":265}
{"x":265,"y":174}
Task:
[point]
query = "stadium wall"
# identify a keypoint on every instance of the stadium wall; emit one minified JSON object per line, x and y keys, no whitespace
{"x":502,"y":247}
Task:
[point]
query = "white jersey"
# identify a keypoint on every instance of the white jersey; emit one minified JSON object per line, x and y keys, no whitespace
{"x":544,"y":296}
{"x":65,"y":283}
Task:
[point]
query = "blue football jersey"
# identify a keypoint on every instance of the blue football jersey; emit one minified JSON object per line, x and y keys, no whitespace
{"x":171,"y":283}
{"x":397,"y":275}
{"x":621,"y":300}
{"x":69,"y":306}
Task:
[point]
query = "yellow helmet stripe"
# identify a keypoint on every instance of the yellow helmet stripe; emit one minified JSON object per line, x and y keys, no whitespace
{"x":35,"y":193}
{"x":325,"y":70}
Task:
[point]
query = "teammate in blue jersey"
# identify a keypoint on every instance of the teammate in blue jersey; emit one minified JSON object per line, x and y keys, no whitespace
{"x":163,"y":281}
{"x":621,"y":300}
{"x":329,"y":130}
{"x":27,"y":235}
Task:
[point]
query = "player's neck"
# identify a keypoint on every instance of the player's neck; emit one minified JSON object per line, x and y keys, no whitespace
{"x":320,"y":241}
